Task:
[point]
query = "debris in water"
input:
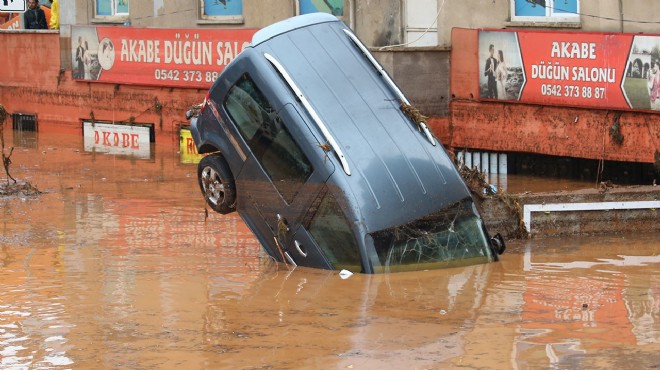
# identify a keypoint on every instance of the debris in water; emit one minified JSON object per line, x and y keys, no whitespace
{"x":19,"y":188}
{"x":476,"y":182}
{"x":194,"y":110}
{"x":345,"y":274}
{"x":11,"y":188}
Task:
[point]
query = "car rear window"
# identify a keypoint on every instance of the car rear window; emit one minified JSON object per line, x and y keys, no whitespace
{"x":451,"y":237}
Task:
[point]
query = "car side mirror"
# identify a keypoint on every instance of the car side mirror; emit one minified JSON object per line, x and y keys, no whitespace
{"x":497,"y":243}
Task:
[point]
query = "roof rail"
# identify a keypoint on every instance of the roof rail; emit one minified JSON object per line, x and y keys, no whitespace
{"x":388,"y":80}
{"x":326,"y":133}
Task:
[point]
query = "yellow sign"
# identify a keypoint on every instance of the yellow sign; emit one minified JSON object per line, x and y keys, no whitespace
{"x":187,"y":147}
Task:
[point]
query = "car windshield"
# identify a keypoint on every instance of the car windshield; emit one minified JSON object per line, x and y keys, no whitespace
{"x":452,"y":237}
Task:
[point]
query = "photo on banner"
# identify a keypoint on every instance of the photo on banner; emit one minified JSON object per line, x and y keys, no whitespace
{"x":641,"y":83}
{"x":502,"y":75}
{"x":85,"y":57}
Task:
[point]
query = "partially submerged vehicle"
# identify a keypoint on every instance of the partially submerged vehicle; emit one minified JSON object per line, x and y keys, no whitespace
{"x":321,"y":154}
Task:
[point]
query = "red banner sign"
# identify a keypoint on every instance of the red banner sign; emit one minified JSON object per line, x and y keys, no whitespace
{"x":12,"y":24}
{"x":148,"y":56}
{"x":594,"y":70}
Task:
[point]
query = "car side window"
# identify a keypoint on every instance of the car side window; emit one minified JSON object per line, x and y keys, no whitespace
{"x":268,"y":138}
{"x":246,"y":106}
{"x":332,"y":232}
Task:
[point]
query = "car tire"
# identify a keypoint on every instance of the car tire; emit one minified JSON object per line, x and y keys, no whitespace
{"x":217,"y":184}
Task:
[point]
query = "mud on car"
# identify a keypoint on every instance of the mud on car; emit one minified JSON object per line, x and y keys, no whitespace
{"x":314,"y":145}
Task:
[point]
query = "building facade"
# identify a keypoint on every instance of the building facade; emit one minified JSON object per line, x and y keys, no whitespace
{"x":430,"y":48}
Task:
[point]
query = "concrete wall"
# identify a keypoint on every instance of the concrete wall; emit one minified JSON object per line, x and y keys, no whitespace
{"x":564,"y":223}
{"x":186,"y":13}
{"x":25,"y":64}
{"x":378,"y":22}
{"x":504,"y":214}
{"x":558,"y":131}
{"x":422,"y":75}
{"x":471,"y":14}
{"x":496,"y":14}
{"x":646,"y":11}
{"x":381,"y":22}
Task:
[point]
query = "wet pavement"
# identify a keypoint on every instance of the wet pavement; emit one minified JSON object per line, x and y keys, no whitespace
{"x":117,"y":266}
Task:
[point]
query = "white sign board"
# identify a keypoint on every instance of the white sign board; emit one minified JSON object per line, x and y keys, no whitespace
{"x":13,"y":6}
{"x":117,"y":139}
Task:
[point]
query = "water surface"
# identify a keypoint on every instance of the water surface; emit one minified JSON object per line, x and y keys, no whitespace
{"x":117,"y":266}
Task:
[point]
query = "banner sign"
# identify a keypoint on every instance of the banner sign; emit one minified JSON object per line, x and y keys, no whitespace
{"x":187,"y":147}
{"x":592,"y":70}
{"x":150,"y":56}
{"x":12,"y":24}
{"x":118,"y":139}
{"x":15,"y":6}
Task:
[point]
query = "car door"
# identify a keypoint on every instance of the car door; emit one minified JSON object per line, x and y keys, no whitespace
{"x":325,"y":227}
{"x":300,"y":200}
{"x":284,"y":171}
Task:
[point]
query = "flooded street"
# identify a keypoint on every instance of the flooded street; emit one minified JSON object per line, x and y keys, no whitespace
{"x":116,"y":266}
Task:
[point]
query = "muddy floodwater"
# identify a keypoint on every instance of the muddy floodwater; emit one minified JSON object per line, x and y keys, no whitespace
{"x":117,"y":266}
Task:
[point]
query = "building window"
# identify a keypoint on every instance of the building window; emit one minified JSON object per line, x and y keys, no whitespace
{"x":421,"y":27}
{"x":222,"y":10}
{"x":334,"y":7}
{"x":545,"y":11}
{"x":109,"y":8}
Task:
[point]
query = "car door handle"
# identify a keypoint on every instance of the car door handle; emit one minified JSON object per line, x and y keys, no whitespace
{"x":300,"y":248}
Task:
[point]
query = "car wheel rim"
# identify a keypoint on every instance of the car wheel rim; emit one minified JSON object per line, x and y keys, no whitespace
{"x":214,"y":189}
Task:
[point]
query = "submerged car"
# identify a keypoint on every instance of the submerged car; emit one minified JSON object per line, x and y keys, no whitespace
{"x":314,"y":145}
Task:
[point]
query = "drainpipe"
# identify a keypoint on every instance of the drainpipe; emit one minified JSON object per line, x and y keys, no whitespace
{"x":351,"y":15}
{"x":403,"y":34}
{"x":296,"y":4}
{"x":621,"y":13}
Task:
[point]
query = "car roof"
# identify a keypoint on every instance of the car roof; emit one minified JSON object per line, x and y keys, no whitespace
{"x":396,"y":173}
{"x":290,"y":24}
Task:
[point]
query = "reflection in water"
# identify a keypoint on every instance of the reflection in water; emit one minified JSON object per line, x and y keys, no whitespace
{"x":311,"y":318}
{"x":583,"y":304}
{"x":116,"y":266}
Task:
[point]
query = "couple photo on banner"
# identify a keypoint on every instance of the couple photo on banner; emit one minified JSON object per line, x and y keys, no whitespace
{"x":501,"y":69}
{"x":497,"y":74}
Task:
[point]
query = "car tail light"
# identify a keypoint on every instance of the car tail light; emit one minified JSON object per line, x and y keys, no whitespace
{"x":206,"y":101}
